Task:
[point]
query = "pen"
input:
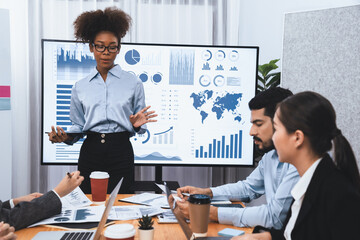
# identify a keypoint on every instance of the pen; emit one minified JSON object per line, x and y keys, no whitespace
{"x":53,"y":135}
{"x":69,"y":175}
{"x":185,"y":194}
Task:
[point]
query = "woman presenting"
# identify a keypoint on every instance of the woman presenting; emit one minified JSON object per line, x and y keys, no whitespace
{"x":108,"y":105}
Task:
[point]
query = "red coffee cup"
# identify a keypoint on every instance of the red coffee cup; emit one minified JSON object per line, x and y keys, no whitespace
{"x":99,"y":184}
{"x":123,"y":231}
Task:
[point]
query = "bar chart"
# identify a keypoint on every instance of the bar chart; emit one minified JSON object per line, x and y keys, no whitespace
{"x":63,"y":98}
{"x":165,"y":137}
{"x":232,"y":148}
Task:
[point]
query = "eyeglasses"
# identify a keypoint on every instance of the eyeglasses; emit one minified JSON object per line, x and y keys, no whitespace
{"x":101,"y":48}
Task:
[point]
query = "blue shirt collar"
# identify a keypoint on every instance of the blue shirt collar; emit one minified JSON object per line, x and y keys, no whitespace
{"x":115,"y":71}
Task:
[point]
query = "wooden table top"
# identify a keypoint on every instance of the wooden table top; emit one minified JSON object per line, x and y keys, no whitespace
{"x":162,"y":231}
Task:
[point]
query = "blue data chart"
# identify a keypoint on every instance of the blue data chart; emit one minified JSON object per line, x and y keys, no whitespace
{"x":144,"y":77}
{"x":220,"y":55}
{"x":234,"y":55}
{"x":219,"y":68}
{"x":83,"y":214}
{"x":157,"y":156}
{"x":63,"y":99}
{"x":132,"y":57}
{"x":230,"y":148}
{"x":204,"y":80}
{"x":164,"y":137}
{"x":206,"y":66}
{"x":143,"y":138}
{"x":219,"y":80}
{"x":181,"y":67}
{"x":156,"y":78}
{"x":151,"y":59}
{"x":73,"y":63}
{"x":206,"y":55}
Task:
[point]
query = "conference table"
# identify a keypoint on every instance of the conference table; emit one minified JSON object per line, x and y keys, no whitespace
{"x":162,"y":230}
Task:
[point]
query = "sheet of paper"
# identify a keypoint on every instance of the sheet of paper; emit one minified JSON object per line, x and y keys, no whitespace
{"x":150,"y":199}
{"x":72,"y":215}
{"x":75,"y":199}
{"x":133,"y":212}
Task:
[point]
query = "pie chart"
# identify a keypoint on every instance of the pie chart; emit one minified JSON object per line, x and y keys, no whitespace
{"x":132,"y":57}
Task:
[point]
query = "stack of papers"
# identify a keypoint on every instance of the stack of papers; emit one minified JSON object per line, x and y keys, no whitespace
{"x":76,"y":209}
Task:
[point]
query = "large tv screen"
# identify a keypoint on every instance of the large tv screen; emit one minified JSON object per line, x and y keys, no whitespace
{"x":200,"y":93}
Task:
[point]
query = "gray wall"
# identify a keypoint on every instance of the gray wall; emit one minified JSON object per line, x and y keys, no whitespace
{"x":321,"y":52}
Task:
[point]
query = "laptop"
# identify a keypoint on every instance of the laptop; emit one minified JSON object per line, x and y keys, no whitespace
{"x":83,"y":234}
{"x":181,"y":219}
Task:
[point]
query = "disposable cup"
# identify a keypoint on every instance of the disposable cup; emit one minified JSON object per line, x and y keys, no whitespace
{"x":199,"y":209}
{"x":123,"y":231}
{"x":99,"y":184}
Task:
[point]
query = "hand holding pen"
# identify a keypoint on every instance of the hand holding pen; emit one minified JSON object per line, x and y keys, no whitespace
{"x":69,"y":183}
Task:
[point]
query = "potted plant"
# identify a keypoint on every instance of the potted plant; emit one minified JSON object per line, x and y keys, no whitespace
{"x":265,"y":78}
{"x":146,"y":229}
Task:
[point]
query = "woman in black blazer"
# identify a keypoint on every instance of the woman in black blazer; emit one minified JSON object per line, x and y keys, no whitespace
{"x":327,"y":197}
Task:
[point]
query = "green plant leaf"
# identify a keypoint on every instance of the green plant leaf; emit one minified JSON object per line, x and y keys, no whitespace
{"x":265,"y":78}
{"x":146,"y":222}
{"x":260,"y":88}
{"x":275,"y":81}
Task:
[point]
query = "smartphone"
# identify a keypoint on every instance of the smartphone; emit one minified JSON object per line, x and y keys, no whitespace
{"x":230,"y":232}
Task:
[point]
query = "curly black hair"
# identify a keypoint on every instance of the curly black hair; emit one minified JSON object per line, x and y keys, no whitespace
{"x":88,"y":24}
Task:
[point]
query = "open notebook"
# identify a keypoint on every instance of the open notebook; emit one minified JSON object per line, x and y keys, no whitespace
{"x":83,"y":235}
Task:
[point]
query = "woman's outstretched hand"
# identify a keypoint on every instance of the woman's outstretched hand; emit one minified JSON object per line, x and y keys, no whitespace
{"x":142,"y":117}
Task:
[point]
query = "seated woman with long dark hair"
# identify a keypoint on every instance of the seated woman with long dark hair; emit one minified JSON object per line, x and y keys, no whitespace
{"x":327,"y":197}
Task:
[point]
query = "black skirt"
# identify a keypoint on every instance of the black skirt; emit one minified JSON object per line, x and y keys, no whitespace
{"x":107,"y":152}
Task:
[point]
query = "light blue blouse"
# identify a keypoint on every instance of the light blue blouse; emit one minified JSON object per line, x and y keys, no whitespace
{"x":105,"y":106}
{"x":272,"y":178}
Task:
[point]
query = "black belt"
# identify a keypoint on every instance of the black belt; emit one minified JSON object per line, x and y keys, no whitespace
{"x":108,"y":136}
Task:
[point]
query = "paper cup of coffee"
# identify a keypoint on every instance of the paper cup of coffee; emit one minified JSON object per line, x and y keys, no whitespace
{"x":99,"y":184}
{"x":199,"y":210}
{"x":120,"y":232}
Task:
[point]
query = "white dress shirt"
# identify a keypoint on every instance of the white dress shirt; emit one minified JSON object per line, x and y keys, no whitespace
{"x":298,"y":193}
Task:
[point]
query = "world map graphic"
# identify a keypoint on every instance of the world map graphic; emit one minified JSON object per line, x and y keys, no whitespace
{"x":218,"y":103}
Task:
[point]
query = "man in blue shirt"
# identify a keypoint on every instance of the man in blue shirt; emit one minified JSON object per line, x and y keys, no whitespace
{"x":271,"y":177}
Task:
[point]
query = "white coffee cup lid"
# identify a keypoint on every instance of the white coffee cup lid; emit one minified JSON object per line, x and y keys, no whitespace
{"x":99,"y":175}
{"x":118,"y":231}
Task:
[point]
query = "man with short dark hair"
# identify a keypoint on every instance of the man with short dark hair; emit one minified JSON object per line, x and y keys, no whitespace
{"x":271,"y":177}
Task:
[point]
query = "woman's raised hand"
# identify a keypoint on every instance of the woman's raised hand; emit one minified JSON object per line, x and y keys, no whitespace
{"x":142,"y":117}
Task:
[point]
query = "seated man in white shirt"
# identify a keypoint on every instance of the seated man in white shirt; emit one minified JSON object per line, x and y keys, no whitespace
{"x":270,"y":177}
{"x":24,"y":211}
